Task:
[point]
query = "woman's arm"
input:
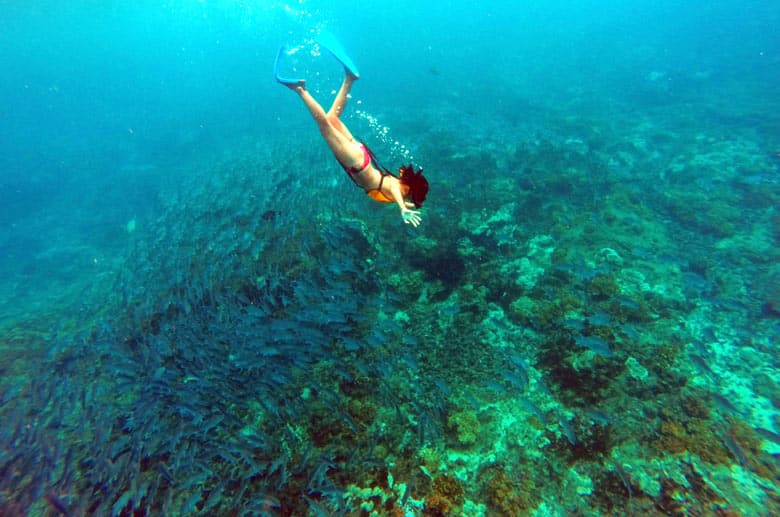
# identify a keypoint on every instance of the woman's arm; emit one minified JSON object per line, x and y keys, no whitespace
{"x":409,"y":216}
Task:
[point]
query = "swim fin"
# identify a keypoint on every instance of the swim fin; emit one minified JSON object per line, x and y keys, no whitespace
{"x":333,"y":45}
{"x":284,"y":80}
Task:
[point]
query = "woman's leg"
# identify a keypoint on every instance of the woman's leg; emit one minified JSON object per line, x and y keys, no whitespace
{"x":313,"y":106}
{"x":339,"y":103}
{"x":339,"y":142}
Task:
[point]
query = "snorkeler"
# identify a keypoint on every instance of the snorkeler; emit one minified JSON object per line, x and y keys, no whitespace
{"x":407,"y":190}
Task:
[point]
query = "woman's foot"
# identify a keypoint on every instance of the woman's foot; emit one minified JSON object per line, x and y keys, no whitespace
{"x":297,"y":86}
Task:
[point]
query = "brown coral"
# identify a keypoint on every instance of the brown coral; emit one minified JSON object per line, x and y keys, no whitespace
{"x":507,"y":496}
{"x":603,"y":287}
{"x":447,"y":496}
{"x":449,"y":486}
{"x":694,"y":435}
{"x":694,"y":407}
{"x":437,"y":506}
{"x":749,"y":442}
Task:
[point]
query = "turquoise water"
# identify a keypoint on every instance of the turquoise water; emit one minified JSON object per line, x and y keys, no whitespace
{"x":201,"y":315}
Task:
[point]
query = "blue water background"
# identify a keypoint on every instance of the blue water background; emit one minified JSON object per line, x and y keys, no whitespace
{"x":150,"y":83}
{"x":92,"y":89}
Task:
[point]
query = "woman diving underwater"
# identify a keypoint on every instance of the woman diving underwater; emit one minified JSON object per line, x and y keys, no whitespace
{"x":407,"y":190}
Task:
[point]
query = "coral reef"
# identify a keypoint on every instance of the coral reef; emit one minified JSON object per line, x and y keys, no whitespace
{"x":465,"y":425}
{"x":506,"y":494}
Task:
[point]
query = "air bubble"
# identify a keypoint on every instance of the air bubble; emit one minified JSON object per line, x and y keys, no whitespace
{"x":382,"y":134}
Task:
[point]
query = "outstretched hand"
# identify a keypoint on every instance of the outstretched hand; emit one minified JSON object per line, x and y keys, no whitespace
{"x":411,"y":217}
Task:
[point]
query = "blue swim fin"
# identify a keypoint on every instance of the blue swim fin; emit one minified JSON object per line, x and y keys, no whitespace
{"x":333,"y":45}
{"x":284,"y":80}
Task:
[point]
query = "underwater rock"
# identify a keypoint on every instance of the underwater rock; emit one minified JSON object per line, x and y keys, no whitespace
{"x":611,"y":256}
{"x":636,"y":370}
{"x":522,"y":309}
{"x":580,"y":484}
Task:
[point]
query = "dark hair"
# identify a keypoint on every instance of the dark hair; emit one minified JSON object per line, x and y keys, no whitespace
{"x":418,"y":185}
